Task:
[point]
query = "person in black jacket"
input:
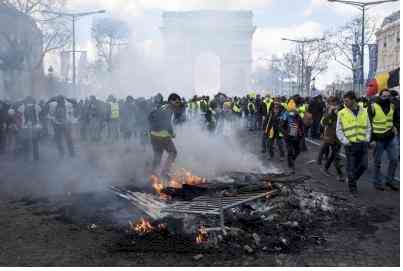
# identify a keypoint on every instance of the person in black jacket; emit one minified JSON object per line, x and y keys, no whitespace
{"x":384,"y":117}
{"x":272,"y":129}
{"x":161,"y":134}
{"x":316,"y":108}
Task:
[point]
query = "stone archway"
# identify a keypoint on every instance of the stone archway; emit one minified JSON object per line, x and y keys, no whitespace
{"x":228,"y":34}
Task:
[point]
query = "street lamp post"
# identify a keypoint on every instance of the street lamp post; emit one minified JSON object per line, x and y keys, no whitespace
{"x":363,"y":7}
{"x":302,"y":42}
{"x":74,"y":17}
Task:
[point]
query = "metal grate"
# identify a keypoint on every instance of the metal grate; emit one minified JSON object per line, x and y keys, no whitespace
{"x":213,"y":205}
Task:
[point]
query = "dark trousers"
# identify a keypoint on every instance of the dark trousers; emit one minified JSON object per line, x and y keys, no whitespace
{"x":84,"y":130}
{"x":334,"y":158}
{"x":293,"y":150}
{"x":259,"y":121}
{"x":2,"y":138}
{"x":161,"y":144}
{"x":357,"y":161}
{"x":315,"y":129}
{"x":323,"y":151}
{"x":279,"y":142}
{"x":29,"y":140}
{"x":63,"y":133}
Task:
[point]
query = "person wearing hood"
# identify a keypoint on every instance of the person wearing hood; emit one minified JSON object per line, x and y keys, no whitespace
{"x":385,"y":123}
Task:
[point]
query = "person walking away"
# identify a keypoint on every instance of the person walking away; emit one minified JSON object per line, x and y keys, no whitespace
{"x":306,"y":117}
{"x":161,"y":134}
{"x":316,"y":108}
{"x":353,"y":129}
{"x":251,"y":114}
{"x":272,"y":130}
{"x":292,"y":128}
{"x":259,"y":113}
{"x":62,"y":123}
{"x":385,"y":122}
{"x":29,"y":133}
{"x":330,"y":140}
{"x":84,"y":119}
{"x":113,"y":118}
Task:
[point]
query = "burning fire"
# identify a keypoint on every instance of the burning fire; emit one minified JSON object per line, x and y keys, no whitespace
{"x":201,"y":235}
{"x":179,"y":178}
{"x":142,"y":227}
{"x":157,"y":183}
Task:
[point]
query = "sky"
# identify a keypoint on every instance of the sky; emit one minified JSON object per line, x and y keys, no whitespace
{"x":274,"y":20}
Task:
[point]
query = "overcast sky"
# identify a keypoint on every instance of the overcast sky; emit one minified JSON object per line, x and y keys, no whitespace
{"x":274,"y":19}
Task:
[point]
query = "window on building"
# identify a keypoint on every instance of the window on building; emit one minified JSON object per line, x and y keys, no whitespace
{"x":398,"y":36}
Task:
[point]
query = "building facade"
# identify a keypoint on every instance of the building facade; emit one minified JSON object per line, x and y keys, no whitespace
{"x":21,"y":67}
{"x":388,"y":40}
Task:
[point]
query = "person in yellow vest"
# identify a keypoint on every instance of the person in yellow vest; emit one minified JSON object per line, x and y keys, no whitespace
{"x":204,"y":104}
{"x":353,"y":129}
{"x":385,"y":121}
{"x":251,"y":109}
{"x":113,"y":120}
{"x":272,"y":131}
{"x":236,"y":107}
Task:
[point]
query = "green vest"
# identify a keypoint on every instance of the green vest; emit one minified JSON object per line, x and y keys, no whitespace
{"x":203,"y":106}
{"x":382,"y":123}
{"x":268,"y":104}
{"x":301,"y":110}
{"x":354,"y":128}
{"x":236,"y":108}
{"x":114,"y":110}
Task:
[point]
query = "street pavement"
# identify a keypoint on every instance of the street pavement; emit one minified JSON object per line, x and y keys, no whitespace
{"x":372,"y":243}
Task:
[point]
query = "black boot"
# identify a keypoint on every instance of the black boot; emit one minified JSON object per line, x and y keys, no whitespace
{"x":352,"y":186}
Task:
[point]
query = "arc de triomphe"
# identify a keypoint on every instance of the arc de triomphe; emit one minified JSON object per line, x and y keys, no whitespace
{"x":228,"y":34}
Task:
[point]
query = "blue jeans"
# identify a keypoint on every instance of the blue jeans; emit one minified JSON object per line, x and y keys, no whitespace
{"x":391,"y":149}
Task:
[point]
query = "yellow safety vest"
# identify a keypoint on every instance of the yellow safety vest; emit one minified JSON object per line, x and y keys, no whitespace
{"x":354,"y":128}
{"x":203,"y":106}
{"x":268,"y":104}
{"x":382,"y":123}
{"x":114,"y":110}
{"x":301,"y":110}
{"x":236,"y":108}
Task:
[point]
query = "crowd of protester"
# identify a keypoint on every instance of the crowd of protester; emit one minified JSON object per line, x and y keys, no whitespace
{"x":282,"y":123}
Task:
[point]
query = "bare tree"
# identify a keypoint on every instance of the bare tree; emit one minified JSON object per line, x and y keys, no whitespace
{"x":342,"y":39}
{"x":109,"y":34}
{"x":54,"y":32}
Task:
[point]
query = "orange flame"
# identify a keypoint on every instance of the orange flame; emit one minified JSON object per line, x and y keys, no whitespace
{"x":201,"y":235}
{"x":177,"y":180}
{"x":143,"y":226}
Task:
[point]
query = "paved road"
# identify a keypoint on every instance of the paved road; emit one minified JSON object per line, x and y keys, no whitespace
{"x":379,"y":247}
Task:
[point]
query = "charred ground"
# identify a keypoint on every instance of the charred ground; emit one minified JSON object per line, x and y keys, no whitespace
{"x":91,"y":228}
